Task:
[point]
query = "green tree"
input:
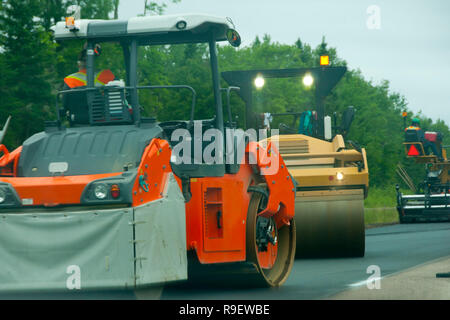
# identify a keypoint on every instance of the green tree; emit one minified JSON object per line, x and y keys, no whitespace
{"x":153,"y":7}
{"x":94,"y":9}
{"x":27,"y":53}
{"x":33,"y":67}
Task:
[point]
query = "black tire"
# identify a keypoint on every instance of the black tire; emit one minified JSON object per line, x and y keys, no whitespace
{"x":284,"y":262}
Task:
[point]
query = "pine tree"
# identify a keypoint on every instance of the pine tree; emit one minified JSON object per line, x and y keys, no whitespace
{"x":27,"y":52}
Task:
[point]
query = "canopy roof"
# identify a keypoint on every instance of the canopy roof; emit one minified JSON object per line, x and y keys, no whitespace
{"x":149,"y":29}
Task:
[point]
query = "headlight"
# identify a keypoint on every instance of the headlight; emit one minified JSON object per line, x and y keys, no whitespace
{"x":340,"y":176}
{"x":308,"y":80}
{"x":111,"y":190}
{"x":100,"y":191}
{"x":2,"y":195}
{"x":259,"y":82}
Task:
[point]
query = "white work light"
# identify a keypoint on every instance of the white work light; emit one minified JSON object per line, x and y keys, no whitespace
{"x":259,"y":82}
{"x":308,"y":80}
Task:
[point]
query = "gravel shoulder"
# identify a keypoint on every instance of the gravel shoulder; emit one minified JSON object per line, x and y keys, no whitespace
{"x":417,"y":283}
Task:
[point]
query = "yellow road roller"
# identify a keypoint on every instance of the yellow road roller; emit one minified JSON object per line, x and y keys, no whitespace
{"x":331,"y":174}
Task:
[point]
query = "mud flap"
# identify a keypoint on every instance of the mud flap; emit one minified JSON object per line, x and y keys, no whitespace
{"x":95,"y":249}
{"x":66,"y":250}
{"x":160,"y":233}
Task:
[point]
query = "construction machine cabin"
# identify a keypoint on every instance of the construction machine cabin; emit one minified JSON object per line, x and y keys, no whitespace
{"x":100,"y":193}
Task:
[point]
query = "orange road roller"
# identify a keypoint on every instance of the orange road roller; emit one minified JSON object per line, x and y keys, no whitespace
{"x":107,"y":198}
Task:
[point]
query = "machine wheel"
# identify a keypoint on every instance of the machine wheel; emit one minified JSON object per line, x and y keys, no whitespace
{"x":270,"y":250}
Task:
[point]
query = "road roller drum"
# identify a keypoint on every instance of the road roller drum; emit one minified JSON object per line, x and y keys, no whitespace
{"x":330,"y":223}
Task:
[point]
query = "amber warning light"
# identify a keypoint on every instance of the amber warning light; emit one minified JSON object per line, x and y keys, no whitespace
{"x":70,"y":24}
{"x":324,"y":60}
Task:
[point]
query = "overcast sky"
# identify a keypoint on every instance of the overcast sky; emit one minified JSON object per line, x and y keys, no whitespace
{"x":404,"y":42}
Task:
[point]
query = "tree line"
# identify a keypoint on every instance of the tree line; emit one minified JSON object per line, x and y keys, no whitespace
{"x":33,"y":66}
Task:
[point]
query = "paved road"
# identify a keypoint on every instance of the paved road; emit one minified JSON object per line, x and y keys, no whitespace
{"x":392,"y":248}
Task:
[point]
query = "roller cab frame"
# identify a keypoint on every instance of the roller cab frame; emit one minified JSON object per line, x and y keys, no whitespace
{"x":332,"y":176}
{"x":104,"y":203}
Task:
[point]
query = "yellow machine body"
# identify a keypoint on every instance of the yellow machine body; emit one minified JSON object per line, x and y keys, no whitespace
{"x":332,"y":183}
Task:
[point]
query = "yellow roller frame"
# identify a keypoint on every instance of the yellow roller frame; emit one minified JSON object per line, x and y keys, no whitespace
{"x":329,"y":211}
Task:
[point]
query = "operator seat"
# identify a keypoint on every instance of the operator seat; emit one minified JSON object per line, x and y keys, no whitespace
{"x":76,"y":107}
{"x":109,"y":105}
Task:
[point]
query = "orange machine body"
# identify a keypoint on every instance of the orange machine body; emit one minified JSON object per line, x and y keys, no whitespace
{"x":216,"y":215}
{"x":67,"y":190}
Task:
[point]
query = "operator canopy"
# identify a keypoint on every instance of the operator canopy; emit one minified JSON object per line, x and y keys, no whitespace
{"x":152,"y":29}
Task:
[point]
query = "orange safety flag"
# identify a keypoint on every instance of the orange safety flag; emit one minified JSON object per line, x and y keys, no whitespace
{"x":413,"y":151}
{"x":79,"y":79}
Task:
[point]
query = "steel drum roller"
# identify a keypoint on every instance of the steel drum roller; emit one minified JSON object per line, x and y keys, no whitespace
{"x":330,"y":223}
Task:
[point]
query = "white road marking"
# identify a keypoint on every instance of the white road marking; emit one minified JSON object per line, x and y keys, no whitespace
{"x":364,"y":282}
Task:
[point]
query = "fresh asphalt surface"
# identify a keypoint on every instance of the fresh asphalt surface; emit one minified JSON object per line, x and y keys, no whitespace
{"x":393,"y":248}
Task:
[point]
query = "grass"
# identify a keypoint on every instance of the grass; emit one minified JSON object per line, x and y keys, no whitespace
{"x":381,"y":198}
{"x":373,"y":216}
{"x":379,"y":207}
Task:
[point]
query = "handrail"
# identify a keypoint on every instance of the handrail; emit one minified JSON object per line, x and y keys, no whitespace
{"x":228,"y":90}
{"x":194,"y":94}
{"x":344,"y":155}
{"x":179,"y":86}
